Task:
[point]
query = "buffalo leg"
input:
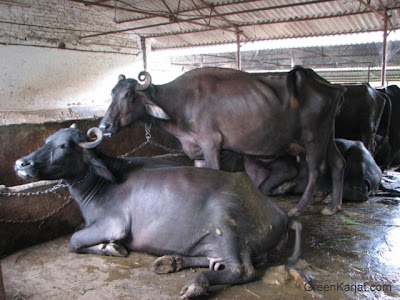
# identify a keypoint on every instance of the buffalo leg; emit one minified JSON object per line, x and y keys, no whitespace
{"x":99,"y":239}
{"x":174,"y":263}
{"x":211,"y":151}
{"x":235,"y":272}
{"x":314,"y":160}
{"x":389,"y":159}
{"x":269,"y":175}
{"x":283,"y":174}
{"x":337,"y":164}
{"x":257,"y":173}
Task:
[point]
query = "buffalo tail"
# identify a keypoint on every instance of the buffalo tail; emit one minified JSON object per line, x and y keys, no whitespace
{"x":297,"y":227}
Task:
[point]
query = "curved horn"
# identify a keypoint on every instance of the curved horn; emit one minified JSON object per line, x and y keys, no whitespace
{"x":99,"y":138}
{"x":145,"y":79}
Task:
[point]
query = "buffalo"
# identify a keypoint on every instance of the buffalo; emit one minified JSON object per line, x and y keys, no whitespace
{"x":393,"y":144}
{"x":257,"y":114}
{"x":287,"y":175}
{"x":360,"y":114}
{"x":195,"y":217}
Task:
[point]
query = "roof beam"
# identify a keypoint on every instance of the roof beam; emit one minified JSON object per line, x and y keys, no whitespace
{"x":196,"y":8}
{"x":231,"y":24}
{"x":265,"y":23}
{"x":89,"y":3}
{"x":192,"y":20}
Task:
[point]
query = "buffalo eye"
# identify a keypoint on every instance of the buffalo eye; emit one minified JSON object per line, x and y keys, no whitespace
{"x":129,"y":97}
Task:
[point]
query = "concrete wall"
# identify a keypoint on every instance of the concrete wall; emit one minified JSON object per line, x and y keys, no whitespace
{"x":61,"y":23}
{"x":67,"y":84}
{"x":48,"y":72}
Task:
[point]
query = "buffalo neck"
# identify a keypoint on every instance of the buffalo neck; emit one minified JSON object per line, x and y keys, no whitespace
{"x":84,"y":191}
{"x":169,"y":98}
{"x":85,"y":188}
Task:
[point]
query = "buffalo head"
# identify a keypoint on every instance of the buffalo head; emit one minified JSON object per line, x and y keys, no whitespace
{"x":131,"y":101}
{"x":66,"y":154}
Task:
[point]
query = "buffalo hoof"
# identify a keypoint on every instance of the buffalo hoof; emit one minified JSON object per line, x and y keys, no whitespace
{"x":296,"y":211}
{"x":327,"y":200}
{"x":167,"y":264}
{"x":193,"y":289}
{"x":114,"y":249}
{"x":329,"y":211}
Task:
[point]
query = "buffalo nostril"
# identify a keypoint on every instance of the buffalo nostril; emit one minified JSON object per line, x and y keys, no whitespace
{"x":104,"y":126}
{"x":22,"y":163}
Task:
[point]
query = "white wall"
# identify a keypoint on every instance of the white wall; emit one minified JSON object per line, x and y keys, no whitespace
{"x":40,"y":82}
{"x":36,"y":79}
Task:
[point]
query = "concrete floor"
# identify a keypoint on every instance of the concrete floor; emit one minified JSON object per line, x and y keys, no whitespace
{"x":352,"y":255}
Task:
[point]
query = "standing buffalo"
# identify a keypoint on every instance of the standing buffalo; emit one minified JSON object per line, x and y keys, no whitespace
{"x":393,"y":93}
{"x":195,"y":217}
{"x":210,"y":109}
{"x":360,"y":114}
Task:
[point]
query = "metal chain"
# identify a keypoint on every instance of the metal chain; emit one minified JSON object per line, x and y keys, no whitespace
{"x":147,"y":130}
{"x":28,"y":194}
{"x":52,"y":190}
{"x":68,"y":200}
{"x":147,"y":135}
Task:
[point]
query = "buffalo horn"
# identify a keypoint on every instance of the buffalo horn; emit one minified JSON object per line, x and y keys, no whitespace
{"x":99,"y":138}
{"x":145,"y":79}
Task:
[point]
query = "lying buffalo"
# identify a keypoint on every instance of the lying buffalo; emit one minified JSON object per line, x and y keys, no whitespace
{"x":195,"y":217}
{"x":286,"y":175}
{"x":213,"y":109}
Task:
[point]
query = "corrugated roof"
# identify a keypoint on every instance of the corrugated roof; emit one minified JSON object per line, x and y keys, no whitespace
{"x":176,"y":24}
{"x":186,"y":23}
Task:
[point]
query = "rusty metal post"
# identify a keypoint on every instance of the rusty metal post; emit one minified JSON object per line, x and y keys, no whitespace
{"x":384,"y":46}
{"x":144,"y":51}
{"x":292,"y":59}
{"x":239,"y":59}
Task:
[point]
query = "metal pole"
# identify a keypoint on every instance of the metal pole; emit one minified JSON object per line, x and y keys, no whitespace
{"x":239,"y":59}
{"x":144,"y":51}
{"x":383,"y":72}
{"x":292,"y":59}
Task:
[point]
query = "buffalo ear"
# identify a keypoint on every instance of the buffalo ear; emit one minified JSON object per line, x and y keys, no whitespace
{"x":156,"y":111}
{"x":101,"y":170}
{"x":121,"y":77}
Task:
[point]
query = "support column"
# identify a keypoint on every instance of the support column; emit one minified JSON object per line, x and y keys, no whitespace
{"x":384,"y":46}
{"x":239,"y":59}
{"x":144,"y":51}
{"x":292,"y":59}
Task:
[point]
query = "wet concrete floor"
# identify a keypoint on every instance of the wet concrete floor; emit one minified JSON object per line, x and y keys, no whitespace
{"x":354,"y":254}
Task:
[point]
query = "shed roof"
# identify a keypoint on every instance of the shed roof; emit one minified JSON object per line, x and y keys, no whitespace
{"x":188,"y":23}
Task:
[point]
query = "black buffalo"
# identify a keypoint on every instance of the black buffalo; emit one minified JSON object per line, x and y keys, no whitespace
{"x":393,"y":93}
{"x":360,"y":114}
{"x":286,"y":175}
{"x":195,"y":217}
{"x":210,"y":109}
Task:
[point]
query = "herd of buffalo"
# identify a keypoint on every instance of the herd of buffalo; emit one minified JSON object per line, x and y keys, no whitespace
{"x":293,"y":132}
